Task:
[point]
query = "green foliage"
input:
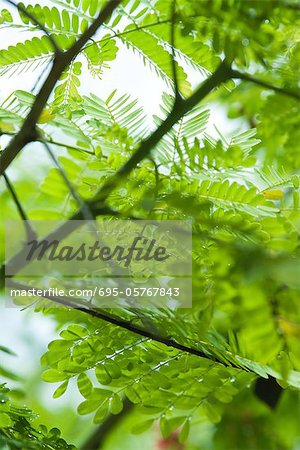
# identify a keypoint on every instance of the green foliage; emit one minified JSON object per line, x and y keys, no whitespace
{"x":24,"y":56}
{"x":58,"y":21}
{"x":135,"y":368}
{"x":165,"y":383}
{"x":17,"y":432}
{"x":16,"y":428}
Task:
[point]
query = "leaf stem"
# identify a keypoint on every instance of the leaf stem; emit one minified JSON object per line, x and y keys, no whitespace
{"x":235,"y":74}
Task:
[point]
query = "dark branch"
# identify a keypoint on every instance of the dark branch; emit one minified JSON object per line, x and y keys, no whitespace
{"x":264,"y":84}
{"x":85,"y":307}
{"x":61,"y":232}
{"x":173,"y":60}
{"x":28,"y":132}
{"x":29,"y":231}
{"x":15,"y":198}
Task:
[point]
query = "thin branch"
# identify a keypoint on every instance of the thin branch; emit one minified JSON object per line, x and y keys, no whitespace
{"x":53,"y":142}
{"x":87,"y":214}
{"x":18,"y":261}
{"x":68,"y":146}
{"x":84,"y":306}
{"x":173,"y":60}
{"x":28,"y":132}
{"x":264,"y":84}
{"x":33,"y":19}
{"x":15,"y":197}
{"x":29,"y":231}
{"x":157,"y":179}
{"x":127,"y":325}
{"x":97,"y":439}
{"x":96,"y":204}
{"x":40,"y":76}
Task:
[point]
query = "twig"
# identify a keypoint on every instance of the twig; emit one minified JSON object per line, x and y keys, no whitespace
{"x":264,"y":84}
{"x":40,"y":76}
{"x":178,"y":97}
{"x":18,"y":261}
{"x":87,"y":214}
{"x":53,"y":142}
{"x":29,"y":231}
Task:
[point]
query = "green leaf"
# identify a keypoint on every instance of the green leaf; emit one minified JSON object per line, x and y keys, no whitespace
{"x":85,"y":385}
{"x":73,"y":332}
{"x":115,"y":404}
{"x":102,"y":375}
{"x":52,"y":376}
{"x":132,"y":395}
{"x":87,"y":406}
{"x":185,"y":431}
{"x":61,"y":389}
